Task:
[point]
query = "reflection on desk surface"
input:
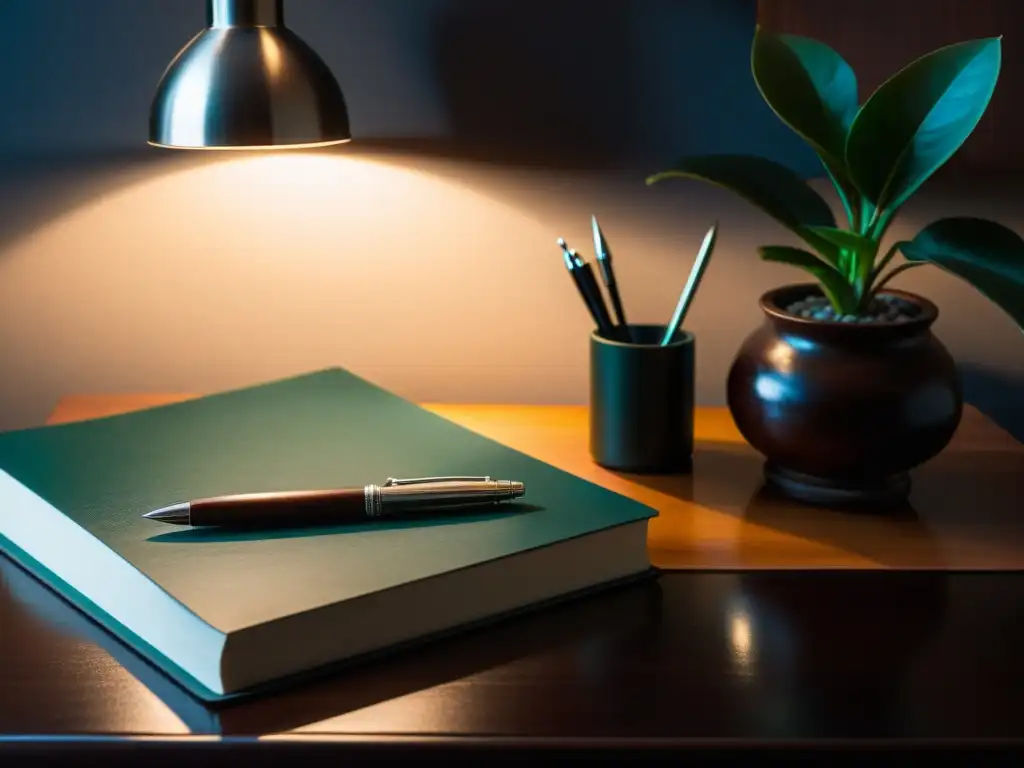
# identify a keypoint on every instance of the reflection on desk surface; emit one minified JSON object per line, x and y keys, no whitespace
{"x":757,"y":654}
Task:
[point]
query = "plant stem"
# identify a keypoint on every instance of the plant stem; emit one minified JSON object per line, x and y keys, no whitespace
{"x":850,"y":206}
{"x":895,"y":271}
{"x":880,"y":224}
{"x":861,"y":292}
{"x":867,"y":213}
{"x":871,"y":288}
{"x":854,"y":214}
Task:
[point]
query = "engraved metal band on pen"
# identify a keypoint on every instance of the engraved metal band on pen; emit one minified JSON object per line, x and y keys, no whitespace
{"x":372,"y":501}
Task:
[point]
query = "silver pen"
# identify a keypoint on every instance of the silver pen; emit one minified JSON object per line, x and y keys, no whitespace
{"x":395,"y":498}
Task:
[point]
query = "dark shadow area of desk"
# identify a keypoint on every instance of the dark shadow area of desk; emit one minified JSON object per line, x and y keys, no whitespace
{"x":615,"y":619}
{"x":766,"y":657}
{"x":883,"y":624}
{"x":32,"y":611}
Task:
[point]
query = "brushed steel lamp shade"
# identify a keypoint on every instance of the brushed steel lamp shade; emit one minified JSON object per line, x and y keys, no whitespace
{"x":248,"y":82}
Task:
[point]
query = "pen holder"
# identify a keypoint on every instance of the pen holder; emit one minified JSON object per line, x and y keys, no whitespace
{"x":641,"y":402}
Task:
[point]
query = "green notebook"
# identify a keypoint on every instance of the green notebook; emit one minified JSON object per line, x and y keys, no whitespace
{"x":226,"y":613}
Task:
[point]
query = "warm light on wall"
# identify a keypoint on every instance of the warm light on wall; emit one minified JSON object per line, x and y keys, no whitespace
{"x":213,"y":271}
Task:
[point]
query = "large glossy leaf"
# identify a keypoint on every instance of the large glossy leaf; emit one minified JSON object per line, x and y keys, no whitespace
{"x":812,"y":89}
{"x":771,"y":186}
{"x":919,"y":118}
{"x":987,"y":255}
{"x":833,"y":284}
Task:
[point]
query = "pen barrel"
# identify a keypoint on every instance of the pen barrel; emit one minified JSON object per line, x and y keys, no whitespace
{"x":606,"y":326}
{"x":593,"y":294}
{"x":267,"y":510}
{"x":401,"y":499}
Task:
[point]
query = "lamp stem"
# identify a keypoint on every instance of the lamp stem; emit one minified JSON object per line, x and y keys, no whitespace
{"x":245,"y":13}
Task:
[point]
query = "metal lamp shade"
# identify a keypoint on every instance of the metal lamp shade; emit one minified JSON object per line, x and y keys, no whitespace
{"x":248,"y":82}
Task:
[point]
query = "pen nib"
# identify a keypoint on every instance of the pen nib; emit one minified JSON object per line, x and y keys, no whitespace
{"x":175,"y":514}
{"x":566,"y":254}
{"x":600,"y":246}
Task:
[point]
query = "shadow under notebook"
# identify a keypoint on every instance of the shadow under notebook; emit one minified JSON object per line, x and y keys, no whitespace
{"x":612,"y":613}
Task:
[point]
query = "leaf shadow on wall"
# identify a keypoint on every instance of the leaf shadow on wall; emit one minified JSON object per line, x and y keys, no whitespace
{"x":997,"y":394}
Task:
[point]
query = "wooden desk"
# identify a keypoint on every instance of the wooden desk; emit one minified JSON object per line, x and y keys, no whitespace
{"x":697,"y":664}
{"x":966,"y":513}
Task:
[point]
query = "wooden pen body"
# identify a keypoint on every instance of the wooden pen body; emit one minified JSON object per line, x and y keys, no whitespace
{"x":262,"y":510}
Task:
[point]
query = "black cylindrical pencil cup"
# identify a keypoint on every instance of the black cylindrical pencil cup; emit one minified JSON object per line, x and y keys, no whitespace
{"x":641,"y":402}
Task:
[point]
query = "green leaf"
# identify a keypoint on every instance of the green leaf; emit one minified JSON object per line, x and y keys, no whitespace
{"x":770,"y":186}
{"x":832,"y":283}
{"x":848,"y":193}
{"x":814,"y":91}
{"x":867,"y":211}
{"x":987,"y":255}
{"x":919,"y":118}
{"x":846,"y":240}
{"x":854,"y":255}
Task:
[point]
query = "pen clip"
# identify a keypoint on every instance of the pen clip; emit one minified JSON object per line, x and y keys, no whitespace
{"x":393,"y":481}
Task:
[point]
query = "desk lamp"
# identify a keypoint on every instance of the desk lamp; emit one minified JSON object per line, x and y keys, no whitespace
{"x":248,"y":82}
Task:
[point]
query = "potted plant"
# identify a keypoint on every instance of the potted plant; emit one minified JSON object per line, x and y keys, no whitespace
{"x":845,"y":388}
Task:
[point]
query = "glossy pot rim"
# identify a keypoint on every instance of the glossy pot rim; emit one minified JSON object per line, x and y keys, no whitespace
{"x":773,"y":301}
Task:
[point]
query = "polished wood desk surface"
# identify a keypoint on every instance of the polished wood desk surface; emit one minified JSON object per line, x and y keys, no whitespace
{"x":688,"y":661}
{"x":695,"y":660}
{"x":966,"y":511}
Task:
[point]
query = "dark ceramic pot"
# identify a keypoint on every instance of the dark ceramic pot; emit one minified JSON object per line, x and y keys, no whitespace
{"x":842,"y":411}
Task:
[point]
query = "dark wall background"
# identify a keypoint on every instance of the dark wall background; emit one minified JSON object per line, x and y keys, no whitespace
{"x":547,"y":109}
{"x":601,"y":81}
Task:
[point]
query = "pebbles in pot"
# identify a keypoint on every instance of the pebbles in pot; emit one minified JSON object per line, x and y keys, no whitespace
{"x":886,"y":308}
